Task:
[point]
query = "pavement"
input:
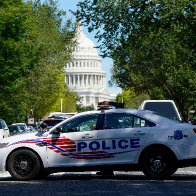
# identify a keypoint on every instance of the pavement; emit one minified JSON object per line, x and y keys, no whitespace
{"x":182,"y":171}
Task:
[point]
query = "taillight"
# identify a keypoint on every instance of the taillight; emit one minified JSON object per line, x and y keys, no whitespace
{"x":194,"y":130}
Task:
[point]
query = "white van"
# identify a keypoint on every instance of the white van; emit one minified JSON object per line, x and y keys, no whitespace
{"x":4,"y":130}
{"x":164,"y":107}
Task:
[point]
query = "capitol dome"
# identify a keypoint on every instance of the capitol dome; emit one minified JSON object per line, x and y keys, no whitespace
{"x":84,"y":73}
{"x":86,"y":45}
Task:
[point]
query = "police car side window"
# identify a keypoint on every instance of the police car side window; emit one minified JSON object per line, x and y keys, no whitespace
{"x":83,"y":123}
{"x":140,"y":122}
{"x":118,"y":120}
{"x":125,"y":120}
{"x":150,"y":124}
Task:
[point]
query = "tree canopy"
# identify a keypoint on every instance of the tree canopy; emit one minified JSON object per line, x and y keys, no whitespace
{"x":36,"y":41}
{"x":152,"y":43}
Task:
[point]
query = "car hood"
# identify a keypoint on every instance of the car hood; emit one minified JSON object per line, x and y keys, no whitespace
{"x":26,"y":136}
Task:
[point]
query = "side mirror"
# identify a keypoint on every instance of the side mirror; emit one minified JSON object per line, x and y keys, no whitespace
{"x":58,"y":130}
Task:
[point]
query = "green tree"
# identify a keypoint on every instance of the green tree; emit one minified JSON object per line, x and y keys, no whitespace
{"x":131,"y":99}
{"x":14,"y":61}
{"x":53,"y":47}
{"x":152,"y":44}
{"x":81,"y":108}
{"x":35,"y":43}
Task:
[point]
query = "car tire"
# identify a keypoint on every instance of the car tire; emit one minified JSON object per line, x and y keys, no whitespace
{"x":23,"y":165}
{"x":158,"y":163}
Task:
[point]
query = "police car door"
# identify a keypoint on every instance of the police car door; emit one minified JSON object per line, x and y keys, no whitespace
{"x":72,"y":145}
{"x":122,"y":137}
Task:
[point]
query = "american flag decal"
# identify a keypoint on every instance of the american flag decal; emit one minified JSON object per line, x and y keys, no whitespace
{"x":66,"y":147}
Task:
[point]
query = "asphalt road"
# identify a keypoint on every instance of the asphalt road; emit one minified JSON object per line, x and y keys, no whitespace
{"x":182,"y":183}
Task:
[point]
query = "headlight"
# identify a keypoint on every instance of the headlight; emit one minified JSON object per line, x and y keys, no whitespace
{"x":3,"y":145}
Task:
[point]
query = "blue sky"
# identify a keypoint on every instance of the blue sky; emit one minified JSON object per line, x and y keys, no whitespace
{"x":106,"y":62}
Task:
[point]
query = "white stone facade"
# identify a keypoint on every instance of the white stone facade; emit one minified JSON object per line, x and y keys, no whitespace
{"x":84,"y":73}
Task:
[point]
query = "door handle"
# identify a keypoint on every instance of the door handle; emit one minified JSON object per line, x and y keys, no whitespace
{"x":87,"y":136}
{"x":139,"y":133}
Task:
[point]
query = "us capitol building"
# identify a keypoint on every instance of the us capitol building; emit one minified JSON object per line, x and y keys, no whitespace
{"x":84,"y":73}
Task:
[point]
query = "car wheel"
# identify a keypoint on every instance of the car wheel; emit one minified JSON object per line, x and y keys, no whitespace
{"x":23,"y":165}
{"x":158,"y":163}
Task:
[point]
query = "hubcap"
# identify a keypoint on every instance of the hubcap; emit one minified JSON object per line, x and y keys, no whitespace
{"x":157,"y":165}
{"x":23,"y":164}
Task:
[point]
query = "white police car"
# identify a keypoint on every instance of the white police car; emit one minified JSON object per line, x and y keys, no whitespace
{"x":110,"y":140}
